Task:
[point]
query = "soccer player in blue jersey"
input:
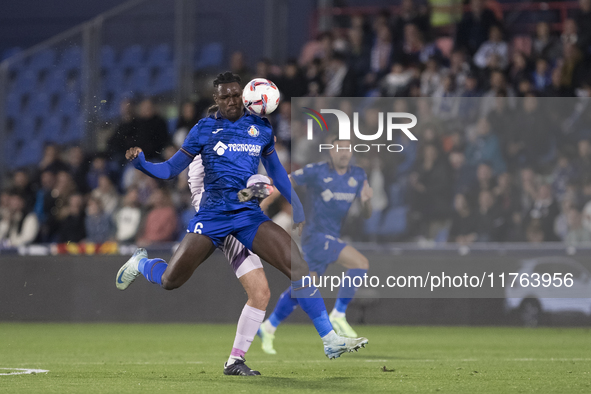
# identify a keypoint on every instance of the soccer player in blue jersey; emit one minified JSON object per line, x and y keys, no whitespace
{"x":331,"y":188}
{"x":231,"y":142}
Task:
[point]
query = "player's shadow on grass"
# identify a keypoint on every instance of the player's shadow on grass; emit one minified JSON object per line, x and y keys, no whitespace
{"x":303,"y":382}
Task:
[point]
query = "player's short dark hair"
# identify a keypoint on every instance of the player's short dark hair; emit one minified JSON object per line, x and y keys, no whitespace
{"x":227,"y":77}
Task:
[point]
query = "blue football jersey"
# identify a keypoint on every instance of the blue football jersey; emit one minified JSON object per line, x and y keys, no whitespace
{"x":231,"y":153}
{"x":329,"y":196}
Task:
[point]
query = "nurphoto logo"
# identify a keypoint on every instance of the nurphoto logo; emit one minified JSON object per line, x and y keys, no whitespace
{"x":344,"y":133}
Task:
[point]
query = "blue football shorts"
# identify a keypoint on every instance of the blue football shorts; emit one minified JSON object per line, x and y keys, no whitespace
{"x":320,"y":250}
{"x":243,"y":224}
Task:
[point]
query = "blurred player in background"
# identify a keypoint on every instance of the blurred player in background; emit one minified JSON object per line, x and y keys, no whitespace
{"x":231,"y":143}
{"x":331,"y":188}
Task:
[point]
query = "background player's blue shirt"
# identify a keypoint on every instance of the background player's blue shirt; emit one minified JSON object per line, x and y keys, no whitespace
{"x":329,"y":196}
{"x":231,"y":153}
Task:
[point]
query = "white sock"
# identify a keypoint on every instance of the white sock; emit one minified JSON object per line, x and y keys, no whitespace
{"x":267,"y":326}
{"x":337,"y":314}
{"x":331,"y":336}
{"x":248,"y":325}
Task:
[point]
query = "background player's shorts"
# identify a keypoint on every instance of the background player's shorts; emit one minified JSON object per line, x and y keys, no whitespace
{"x":241,"y":259}
{"x":243,"y":224}
{"x":320,"y":250}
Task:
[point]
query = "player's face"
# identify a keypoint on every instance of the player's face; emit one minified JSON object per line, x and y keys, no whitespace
{"x":228,"y":97}
{"x":341,"y":156}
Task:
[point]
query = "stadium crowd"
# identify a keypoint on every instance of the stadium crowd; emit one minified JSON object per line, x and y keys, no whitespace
{"x":470,"y":183}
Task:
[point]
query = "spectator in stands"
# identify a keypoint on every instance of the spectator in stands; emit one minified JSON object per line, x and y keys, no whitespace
{"x":485,"y":148}
{"x":161,"y":220}
{"x":534,"y":232}
{"x":544,"y":45}
{"x":583,"y":21}
{"x":459,"y":67}
{"x":238,"y":66}
{"x":562,"y":175}
{"x":534,"y":133}
{"x":20,"y":226}
{"x":44,"y":202}
{"x":78,"y":168}
{"x":123,"y":136}
{"x":340,"y":80}
{"x":187,"y":119}
{"x":545,"y":210}
{"x":577,"y":233}
{"x":572,"y":68}
{"x":395,"y":84}
{"x":359,"y":57}
{"x":431,"y":78}
{"x":128,"y":218}
{"x":97,"y":222}
{"x":493,"y":53}
{"x":381,"y":56}
{"x":150,"y":130}
{"x":542,"y":75}
{"x":582,"y":164}
{"x":519,"y":69}
{"x":411,"y":13}
{"x":21,"y":184}
{"x":474,"y":27}
{"x":569,"y":34}
{"x":71,"y":227}
{"x":292,"y":83}
{"x":51,"y":160}
{"x":488,"y":218}
{"x":464,"y":227}
{"x":556,"y":89}
{"x":463,"y":177}
{"x":282,"y":123}
{"x":498,"y":88}
{"x":98,"y":168}
{"x":107,"y":194}
{"x":430,"y":190}
{"x":415,"y":50}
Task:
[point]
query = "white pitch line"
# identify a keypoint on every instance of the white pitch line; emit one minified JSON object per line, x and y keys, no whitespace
{"x":22,"y":371}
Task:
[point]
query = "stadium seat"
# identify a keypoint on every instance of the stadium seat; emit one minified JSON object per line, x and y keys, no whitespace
{"x":371,"y":225}
{"x":52,"y":128}
{"x":159,"y":56}
{"x":56,"y":82}
{"x":26,"y":81}
{"x":108,"y":56}
{"x":40,"y":104}
{"x":69,"y":104}
{"x":71,"y":58}
{"x":211,"y":56}
{"x":43,"y":59}
{"x":132,"y":57}
{"x":395,"y":222}
{"x":13,"y":104}
{"x":165,"y":81}
{"x":140,"y":80}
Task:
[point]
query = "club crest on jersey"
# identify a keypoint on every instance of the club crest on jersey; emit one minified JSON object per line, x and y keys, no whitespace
{"x":352,"y":182}
{"x":253,"y":131}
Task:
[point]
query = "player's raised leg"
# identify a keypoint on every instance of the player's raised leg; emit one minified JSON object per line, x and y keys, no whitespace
{"x":192,"y":251}
{"x":275,"y":246}
{"x":357,"y":265}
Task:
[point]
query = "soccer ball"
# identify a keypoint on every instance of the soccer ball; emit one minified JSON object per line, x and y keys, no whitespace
{"x":260,"y":96}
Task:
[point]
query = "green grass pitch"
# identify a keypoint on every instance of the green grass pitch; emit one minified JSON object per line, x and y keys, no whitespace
{"x":179,"y":358}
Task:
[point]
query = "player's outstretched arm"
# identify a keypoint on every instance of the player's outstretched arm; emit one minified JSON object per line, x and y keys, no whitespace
{"x":167,"y":170}
{"x":283,"y":184}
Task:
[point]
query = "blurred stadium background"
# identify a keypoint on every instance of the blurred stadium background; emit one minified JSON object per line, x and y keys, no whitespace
{"x":79,"y":84}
